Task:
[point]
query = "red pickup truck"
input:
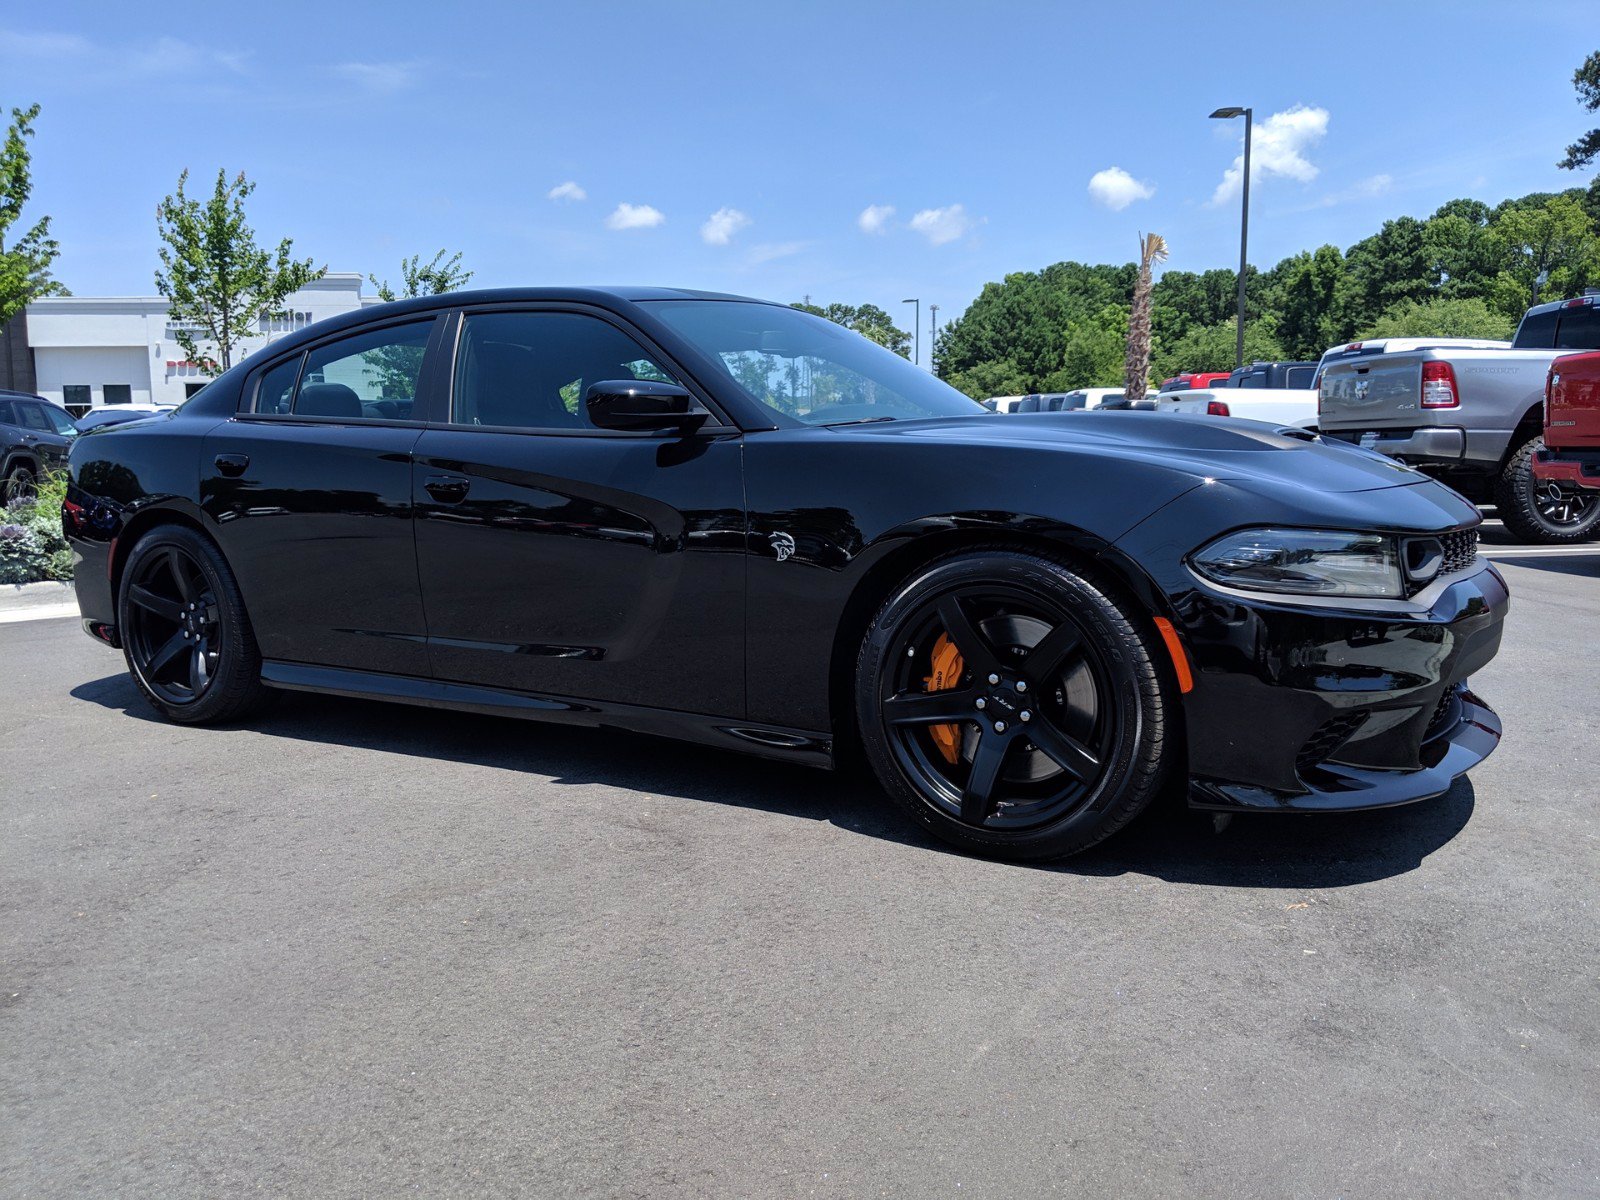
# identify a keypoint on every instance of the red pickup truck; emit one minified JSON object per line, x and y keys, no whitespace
{"x":1568,"y":467}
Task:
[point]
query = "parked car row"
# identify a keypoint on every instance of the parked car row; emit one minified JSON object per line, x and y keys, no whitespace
{"x":35,"y":436}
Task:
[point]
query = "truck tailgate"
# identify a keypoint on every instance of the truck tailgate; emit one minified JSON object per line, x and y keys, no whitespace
{"x":1572,"y":417}
{"x":1382,"y":393}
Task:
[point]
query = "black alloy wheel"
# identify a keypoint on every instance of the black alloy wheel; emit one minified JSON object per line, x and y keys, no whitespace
{"x":1013,"y":705}
{"x":184,"y":630}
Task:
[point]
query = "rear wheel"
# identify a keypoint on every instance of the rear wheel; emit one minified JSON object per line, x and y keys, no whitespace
{"x":1536,"y":512}
{"x":20,"y":482}
{"x":185,"y":633}
{"x":1012,"y":706}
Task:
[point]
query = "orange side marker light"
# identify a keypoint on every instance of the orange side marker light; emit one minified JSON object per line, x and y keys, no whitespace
{"x":1180,"y":660}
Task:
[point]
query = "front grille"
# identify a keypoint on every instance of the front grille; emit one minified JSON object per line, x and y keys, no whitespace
{"x":1330,"y":735}
{"x":1460,"y":550}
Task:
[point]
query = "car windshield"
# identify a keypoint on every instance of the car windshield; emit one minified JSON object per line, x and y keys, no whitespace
{"x":809,"y":369}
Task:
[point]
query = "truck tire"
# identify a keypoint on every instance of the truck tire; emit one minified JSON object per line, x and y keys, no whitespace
{"x":1532,"y":514}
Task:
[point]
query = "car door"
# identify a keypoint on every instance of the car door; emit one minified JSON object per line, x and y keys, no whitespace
{"x":566,"y":560}
{"x":47,"y":431}
{"x":309,"y":489}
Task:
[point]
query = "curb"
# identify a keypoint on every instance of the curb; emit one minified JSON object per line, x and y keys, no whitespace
{"x":19,"y":597}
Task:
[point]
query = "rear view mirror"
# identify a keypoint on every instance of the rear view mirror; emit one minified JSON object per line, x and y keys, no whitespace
{"x":642,"y":405}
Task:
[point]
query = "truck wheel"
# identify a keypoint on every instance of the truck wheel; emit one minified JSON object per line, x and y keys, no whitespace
{"x":1537,"y":513}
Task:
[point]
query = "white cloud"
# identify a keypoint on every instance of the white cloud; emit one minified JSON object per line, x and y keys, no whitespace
{"x":874,"y":218}
{"x":768,"y":251}
{"x":1375,"y":185}
{"x":1116,"y":189}
{"x":635,"y":216}
{"x":1278,"y":147}
{"x":163,"y":56}
{"x":568,"y":191}
{"x":941,"y":225}
{"x":380,"y":78}
{"x":721,"y":225}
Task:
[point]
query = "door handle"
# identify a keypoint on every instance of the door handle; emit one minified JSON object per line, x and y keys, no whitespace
{"x":448,"y":489}
{"x":232,"y":465}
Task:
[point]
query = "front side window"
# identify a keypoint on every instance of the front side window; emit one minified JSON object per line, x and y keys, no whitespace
{"x":530,"y":370}
{"x":32,"y":416}
{"x":807,"y":368}
{"x":58,"y":421}
{"x":366,"y":377}
{"x":8,"y":412}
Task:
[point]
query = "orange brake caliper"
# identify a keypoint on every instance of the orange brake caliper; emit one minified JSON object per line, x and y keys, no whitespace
{"x":947,"y":667}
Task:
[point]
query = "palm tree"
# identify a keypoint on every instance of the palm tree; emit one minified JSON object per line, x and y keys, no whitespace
{"x":1152,"y":250}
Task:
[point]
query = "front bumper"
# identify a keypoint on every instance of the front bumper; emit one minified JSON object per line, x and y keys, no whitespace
{"x":1568,"y":469}
{"x":1338,"y":709}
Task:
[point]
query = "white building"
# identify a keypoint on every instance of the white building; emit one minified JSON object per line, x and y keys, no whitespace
{"x":90,"y":351}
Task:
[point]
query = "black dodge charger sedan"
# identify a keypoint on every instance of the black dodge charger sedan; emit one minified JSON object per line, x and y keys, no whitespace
{"x":728,"y":521}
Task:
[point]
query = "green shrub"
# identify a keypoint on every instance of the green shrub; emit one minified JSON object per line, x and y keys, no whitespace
{"x":32,"y":546}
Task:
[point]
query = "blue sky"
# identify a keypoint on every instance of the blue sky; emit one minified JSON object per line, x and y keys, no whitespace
{"x":380,"y":130}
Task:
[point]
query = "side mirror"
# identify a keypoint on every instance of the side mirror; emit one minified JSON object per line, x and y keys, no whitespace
{"x":642,"y":405}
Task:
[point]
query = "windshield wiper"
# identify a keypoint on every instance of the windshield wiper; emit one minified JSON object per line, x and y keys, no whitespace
{"x":857,"y":421}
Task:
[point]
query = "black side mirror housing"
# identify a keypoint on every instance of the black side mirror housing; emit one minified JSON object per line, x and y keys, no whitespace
{"x":642,"y":406}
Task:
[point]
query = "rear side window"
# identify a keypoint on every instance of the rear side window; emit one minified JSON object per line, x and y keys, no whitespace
{"x":1255,"y":380}
{"x":530,"y":370}
{"x":370,"y":376}
{"x":1580,"y":329}
{"x":1300,"y":377}
{"x":8,"y":413}
{"x":1537,"y":331}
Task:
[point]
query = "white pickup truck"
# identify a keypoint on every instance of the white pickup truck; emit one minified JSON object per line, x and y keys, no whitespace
{"x":1280,"y":392}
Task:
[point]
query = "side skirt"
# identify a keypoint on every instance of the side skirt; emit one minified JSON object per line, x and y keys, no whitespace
{"x":769,"y":741}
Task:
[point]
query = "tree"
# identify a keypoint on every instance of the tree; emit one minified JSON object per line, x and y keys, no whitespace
{"x":1587,"y":148}
{"x":1136,"y":374}
{"x":1211,"y":348}
{"x":870,"y":321}
{"x":24,"y":263}
{"x":218,"y":283}
{"x":433,"y":278}
{"x":1441,"y":317}
{"x":1307,"y":319}
{"x":1555,"y":239}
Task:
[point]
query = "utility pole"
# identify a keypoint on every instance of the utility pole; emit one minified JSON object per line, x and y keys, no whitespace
{"x":1227,"y":114}
{"x":933,"y":332}
{"x":916,"y":325}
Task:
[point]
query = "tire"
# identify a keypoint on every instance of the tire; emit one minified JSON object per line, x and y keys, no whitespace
{"x":185,"y":633}
{"x":1070,"y":745}
{"x":21,"y":482}
{"x":1532,"y":515}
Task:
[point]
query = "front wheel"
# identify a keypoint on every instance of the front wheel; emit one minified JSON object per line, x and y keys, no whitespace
{"x":20,"y":483}
{"x":1013,"y":706}
{"x":1535,"y":512}
{"x":185,"y":632}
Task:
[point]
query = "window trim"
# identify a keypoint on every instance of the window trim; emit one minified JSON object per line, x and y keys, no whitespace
{"x":717,"y":423}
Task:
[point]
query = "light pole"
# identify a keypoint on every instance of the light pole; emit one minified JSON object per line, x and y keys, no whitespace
{"x":1227,"y":114}
{"x":933,"y":332}
{"x":916,"y":324}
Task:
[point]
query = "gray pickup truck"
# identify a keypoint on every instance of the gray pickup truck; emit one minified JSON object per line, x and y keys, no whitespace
{"x":1472,"y":417}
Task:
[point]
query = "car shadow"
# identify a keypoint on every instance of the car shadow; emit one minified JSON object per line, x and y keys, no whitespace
{"x":1167,"y":841}
{"x":1585,"y":566}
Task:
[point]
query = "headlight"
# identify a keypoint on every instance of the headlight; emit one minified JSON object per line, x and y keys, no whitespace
{"x":1304,"y":562}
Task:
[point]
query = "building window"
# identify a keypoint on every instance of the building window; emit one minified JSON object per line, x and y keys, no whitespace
{"x":75,"y":396}
{"x":192,"y":389}
{"x":118,"y":393}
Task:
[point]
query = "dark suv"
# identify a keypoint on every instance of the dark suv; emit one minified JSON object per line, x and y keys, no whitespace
{"x":35,"y":436}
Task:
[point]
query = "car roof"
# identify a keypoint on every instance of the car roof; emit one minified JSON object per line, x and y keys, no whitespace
{"x":600,"y":297}
{"x":8,"y":394}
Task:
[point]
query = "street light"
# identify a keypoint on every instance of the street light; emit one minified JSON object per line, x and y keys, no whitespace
{"x":933,"y":333}
{"x":1228,"y":114}
{"x":916,"y":325}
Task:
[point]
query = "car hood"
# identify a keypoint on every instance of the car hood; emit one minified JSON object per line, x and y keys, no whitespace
{"x":1214,"y":448}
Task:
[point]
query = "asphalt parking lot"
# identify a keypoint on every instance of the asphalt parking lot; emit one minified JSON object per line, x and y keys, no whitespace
{"x":364,"y":950}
